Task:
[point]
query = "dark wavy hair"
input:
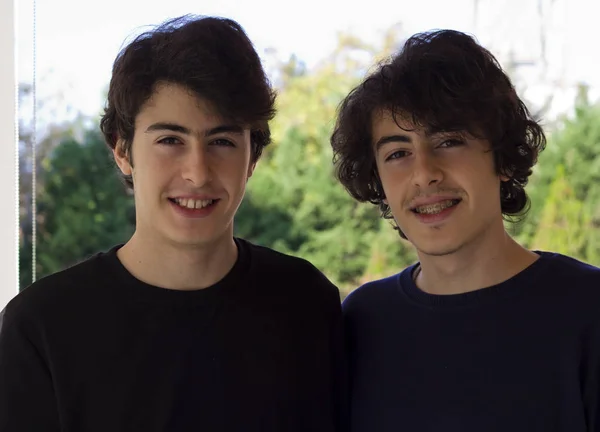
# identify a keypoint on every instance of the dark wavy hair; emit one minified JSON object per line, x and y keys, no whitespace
{"x":210,"y":56}
{"x":444,"y":81}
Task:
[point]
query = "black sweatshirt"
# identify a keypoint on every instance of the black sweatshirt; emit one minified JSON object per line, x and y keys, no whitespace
{"x":94,"y":349}
{"x":521,"y":356}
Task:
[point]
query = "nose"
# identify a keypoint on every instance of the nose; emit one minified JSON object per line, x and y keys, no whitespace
{"x":196,"y":166}
{"x":426,"y":171}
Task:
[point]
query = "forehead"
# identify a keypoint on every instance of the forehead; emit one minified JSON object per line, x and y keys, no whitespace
{"x":175,"y":103}
{"x":383,"y":122}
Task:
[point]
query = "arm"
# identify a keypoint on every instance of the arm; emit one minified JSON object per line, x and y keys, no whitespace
{"x":27,"y":401}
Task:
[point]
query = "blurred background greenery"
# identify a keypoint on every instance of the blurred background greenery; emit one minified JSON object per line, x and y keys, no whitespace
{"x":293,"y":203}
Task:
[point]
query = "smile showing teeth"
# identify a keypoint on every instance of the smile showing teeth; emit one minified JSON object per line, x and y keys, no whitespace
{"x":192,"y":204}
{"x":436,"y":208}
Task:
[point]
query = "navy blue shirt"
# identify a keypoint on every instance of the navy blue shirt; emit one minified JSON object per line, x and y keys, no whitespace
{"x":523,"y":355}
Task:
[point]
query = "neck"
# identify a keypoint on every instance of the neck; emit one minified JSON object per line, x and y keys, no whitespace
{"x":178,"y":267}
{"x":485,"y":262}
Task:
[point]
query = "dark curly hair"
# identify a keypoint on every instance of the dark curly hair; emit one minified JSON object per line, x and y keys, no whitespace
{"x":211,"y":57}
{"x":441,"y":80}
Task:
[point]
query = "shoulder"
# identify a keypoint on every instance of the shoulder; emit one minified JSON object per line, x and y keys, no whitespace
{"x":573,"y":286}
{"x":290,"y":271}
{"x":372,"y":295}
{"x":570,"y":272}
{"x":55,"y":291}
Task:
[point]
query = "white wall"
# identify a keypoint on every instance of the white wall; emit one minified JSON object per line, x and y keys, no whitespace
{"x":8,"y":155}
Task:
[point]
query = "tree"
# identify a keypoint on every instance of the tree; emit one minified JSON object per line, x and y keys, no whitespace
{"x":294,"y":204}
{"x":564,"y":224}
{"x":39,"y":134}
{"x":388,"y":253}
{"x":84,"y":208}
{"x":567,"y":181}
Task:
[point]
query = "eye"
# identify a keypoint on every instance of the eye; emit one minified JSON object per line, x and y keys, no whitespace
{"x":169,"y":141}
{"x":451,"y":143}
{"x":222,"y":142}
{"x":399,"y":154}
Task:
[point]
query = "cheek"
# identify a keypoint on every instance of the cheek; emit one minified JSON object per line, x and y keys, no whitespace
{"x":235,"y":170}
{"x":151,"y":171}
{"x":394,"y":188}
{"x":482,"y":185}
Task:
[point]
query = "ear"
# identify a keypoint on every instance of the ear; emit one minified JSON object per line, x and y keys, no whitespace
{"x":504,"y":178}
{"x":251,"y":167}
{"x":122,"y":158}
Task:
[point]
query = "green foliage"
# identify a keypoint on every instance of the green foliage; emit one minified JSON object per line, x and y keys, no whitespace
{"x":563,"y":221}
{"x":293,"y":202}
{"x":389,"y":253}
{"x":303,"y":210}
{"x":83,"y":208}
{"x":565,"y":190}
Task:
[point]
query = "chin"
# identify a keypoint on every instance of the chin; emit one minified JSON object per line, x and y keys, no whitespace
{"x":436,"y":246}
{"x":438,"y":252}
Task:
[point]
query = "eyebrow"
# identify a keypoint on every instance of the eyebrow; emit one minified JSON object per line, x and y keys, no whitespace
{"x":173,"y":127}
{"x":429,"y":133}
{"x":391,"y":138}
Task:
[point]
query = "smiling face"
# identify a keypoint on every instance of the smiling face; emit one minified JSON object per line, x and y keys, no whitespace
{"x":442,"y":188}
{"x":189,"y":169}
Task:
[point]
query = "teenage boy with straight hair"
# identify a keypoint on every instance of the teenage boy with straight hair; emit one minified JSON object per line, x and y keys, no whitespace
{"x":184,"y":327}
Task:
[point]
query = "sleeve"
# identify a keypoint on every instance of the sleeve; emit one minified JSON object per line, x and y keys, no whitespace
{"x":27,"y":401}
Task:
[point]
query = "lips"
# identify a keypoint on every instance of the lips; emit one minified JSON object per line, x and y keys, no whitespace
{"x":190,"y":203}
{"x":435,"y":207}
{"x":192,"y":208}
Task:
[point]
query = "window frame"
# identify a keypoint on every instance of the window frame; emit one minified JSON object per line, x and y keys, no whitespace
{"x":9,"y":171}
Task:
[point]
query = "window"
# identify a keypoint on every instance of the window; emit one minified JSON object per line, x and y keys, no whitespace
{"x":8,"y":154}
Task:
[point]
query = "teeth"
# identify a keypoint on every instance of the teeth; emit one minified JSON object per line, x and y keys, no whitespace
{"x":435,"y":208}
{"x":193,"y":204}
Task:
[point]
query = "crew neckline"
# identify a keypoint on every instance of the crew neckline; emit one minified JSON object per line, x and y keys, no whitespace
{"x":141,"y":291}
{"x":517,"y":283}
